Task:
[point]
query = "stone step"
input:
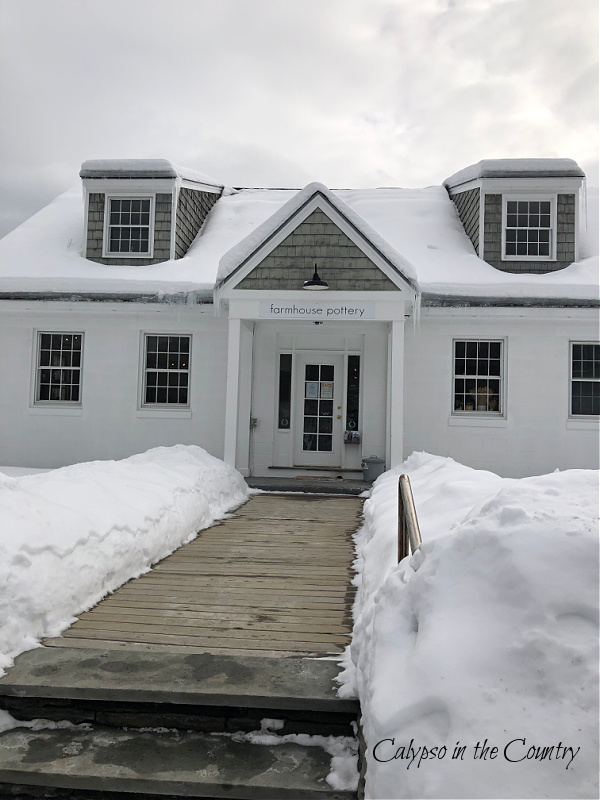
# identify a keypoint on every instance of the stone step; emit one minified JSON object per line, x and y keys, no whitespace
{"x":161,"y":763}
{"x":308,"y":484}
{"x":200,"y":692}
{"x":160,"y":677}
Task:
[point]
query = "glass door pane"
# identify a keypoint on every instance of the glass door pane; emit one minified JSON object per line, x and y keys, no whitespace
{"x":318,"y":408}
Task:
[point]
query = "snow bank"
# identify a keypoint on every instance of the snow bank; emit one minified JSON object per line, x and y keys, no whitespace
{"x":70,"y":536}
{"x":486,"y":635}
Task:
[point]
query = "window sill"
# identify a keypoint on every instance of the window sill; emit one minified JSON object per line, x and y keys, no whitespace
{"x":580,"y":424}
{"x":534,"y":259}
{"x":57,"y":411}
{"x":164,"y":413}
{"x":478,"y":421}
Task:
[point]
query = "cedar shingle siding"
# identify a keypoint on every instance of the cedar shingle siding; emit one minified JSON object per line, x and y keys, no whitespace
{"x":339,"y":261}
{"x":162,"y":232}
{"x":192,"y":210}
{"x":467,"y":205}
{"x":565,"y":237}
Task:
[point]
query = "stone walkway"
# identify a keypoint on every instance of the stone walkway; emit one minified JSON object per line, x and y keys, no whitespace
{"x":272,"y":581}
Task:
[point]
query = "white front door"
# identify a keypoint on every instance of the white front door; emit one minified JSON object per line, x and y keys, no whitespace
{"x":318,"y":419}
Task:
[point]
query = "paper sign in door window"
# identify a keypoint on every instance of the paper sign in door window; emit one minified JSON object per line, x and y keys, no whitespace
{"x":312,"y":389}
{"x":327,"y":391}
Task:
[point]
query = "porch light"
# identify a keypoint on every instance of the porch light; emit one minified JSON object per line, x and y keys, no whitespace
{"x":315,"y":284}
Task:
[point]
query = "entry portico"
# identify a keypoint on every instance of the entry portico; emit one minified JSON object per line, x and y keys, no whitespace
{"x":314,"y":381}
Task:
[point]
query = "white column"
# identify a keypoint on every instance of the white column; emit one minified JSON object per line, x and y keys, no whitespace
{"x":396,"y":394}
{"x":232,"y":398}
{"x":244,"y":398}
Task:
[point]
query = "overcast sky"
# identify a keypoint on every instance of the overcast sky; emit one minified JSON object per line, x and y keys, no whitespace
{"x":352,"y":93}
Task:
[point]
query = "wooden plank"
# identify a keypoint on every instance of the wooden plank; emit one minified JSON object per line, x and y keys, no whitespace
{"x":148,"y":647}
{"x":237,"y":611}
{"x":199,"y":622}
{"x":289,"y":584}
{"x":272,"y":643}
{"x":151,"y":589}
{"x":232,"y":609}
{"x":99,"y":625}
{"x":248,"y":570}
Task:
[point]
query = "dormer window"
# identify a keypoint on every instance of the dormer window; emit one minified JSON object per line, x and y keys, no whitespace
{"x":129,"y":226}
{"x":528,"y":229}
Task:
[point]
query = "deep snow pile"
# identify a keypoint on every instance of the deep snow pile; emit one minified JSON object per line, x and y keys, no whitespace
{"x":489,"y":632}
{"x":69,"y":536}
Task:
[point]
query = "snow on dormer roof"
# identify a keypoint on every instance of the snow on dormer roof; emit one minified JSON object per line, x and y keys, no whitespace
{"x":142,"y":168}
{"x":516,"y":168}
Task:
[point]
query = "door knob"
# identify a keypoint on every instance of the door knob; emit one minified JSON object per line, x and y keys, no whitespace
{"x":339,"y":416}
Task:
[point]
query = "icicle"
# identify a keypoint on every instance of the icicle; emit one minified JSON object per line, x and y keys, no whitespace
{"x":416,"y":310}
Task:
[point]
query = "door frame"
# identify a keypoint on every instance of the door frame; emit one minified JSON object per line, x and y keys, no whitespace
{"x":310,"y":458}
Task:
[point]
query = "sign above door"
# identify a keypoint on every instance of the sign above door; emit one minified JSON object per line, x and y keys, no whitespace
{"x":286,"y":309}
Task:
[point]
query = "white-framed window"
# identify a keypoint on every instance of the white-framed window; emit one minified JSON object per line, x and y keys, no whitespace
{"x":166,"y":370}
{"x":58,"y":367}
{"x":528,"y":228}
{"x":129,"y":228}
{"x":478,"y":376}
{"x":585,"y":379}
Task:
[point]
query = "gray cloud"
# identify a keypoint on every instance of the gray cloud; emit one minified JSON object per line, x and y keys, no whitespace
{"x":349,"y":92}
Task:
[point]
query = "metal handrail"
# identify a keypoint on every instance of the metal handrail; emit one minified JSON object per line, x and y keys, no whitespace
{"x":408,"y":524}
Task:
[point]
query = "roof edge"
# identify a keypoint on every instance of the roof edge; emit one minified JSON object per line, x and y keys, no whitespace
{"x":436,"y":300}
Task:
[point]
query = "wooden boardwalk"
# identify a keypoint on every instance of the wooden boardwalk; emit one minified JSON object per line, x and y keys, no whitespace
{"x":274,"y":580}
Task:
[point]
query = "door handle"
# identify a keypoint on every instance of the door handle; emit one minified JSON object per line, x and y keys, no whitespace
{"x":339,"y":416}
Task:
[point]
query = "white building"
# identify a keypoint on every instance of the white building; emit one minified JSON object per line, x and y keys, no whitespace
{"x":164,"y":308}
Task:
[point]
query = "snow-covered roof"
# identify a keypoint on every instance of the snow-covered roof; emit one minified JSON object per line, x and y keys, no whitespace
{"x":142,"y":168}
{"x":43,"y":255}
{"x":240,"y":252}
{"x":516,"y":168}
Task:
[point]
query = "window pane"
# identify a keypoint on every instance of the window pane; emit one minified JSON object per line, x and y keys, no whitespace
{"x":166,"y":373}
{"x":309,"y":442}
{"x":325,"y":443}
{"x":285,"y":390}
{"x":326,"y":372}
{"x":326,"y":408}
{"x":311,"y":407}
{"x":352,"y":393}
{"x":326,"y":425}
{"x":310,"y":424}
